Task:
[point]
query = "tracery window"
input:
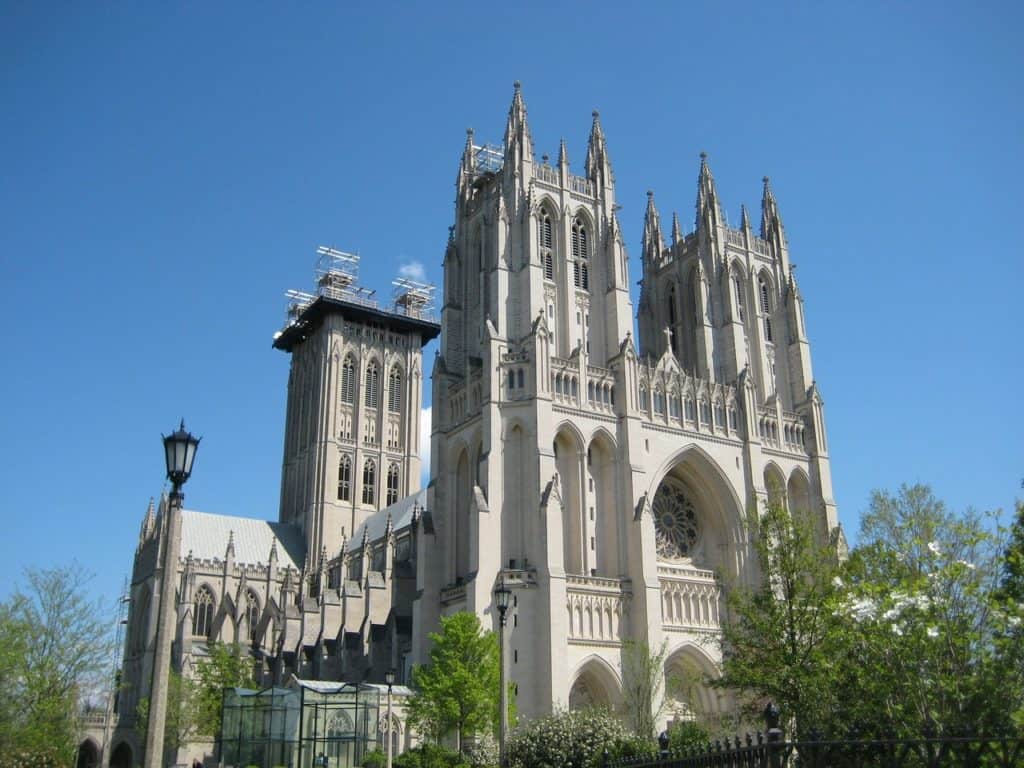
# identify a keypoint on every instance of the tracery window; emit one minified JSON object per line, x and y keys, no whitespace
{"x":348,"y":380}
{"x":395,"y":390}
{"x":766,"y":310}
{"x":202,"y":616}
{"x":392,"y":496}
{"x":369,"y":482}
{"x":546,"y":246}
{"x":580,"y":255}
{"x":345,"y":478}
{"x":676,"y":526}
{"x":740,"y":311}
{"x":252,"y":613}
{"x":372,"y":385}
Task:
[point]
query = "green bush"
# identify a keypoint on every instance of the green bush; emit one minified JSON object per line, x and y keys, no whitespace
{"x":375,"y":758}
{"x":634,"y":748}
{"x":687,"y":736}
{"x":578,"y":738}
{"x":430,"y":756}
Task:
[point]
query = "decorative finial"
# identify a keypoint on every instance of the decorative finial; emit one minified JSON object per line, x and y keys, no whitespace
{"x":469,"y":131}
{"x":595,"y":114}
{"x":517,"y":85}
{"x":703,"y":155}
{"x":650,"y":194}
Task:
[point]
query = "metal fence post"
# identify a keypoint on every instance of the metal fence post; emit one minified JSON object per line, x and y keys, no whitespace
{"x":771,"y":721}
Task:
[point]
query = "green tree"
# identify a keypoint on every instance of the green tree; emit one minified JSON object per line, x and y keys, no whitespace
{"x":458,"y":690}
{"x":227,"y":666}
{"x":180,"y":722}
{"x":55,"y":651}
{"x":781,"y":641}
{"x":643,"y":682}
{"x":926,"y":632}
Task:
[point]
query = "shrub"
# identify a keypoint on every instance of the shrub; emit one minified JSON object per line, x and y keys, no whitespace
{"x":483,"y":753}
{"x":579,"y":737}
{"x":430,"y":756}
{"x":634,"y":748}
{"x":687,"y":736}
{"x":375,"y":758}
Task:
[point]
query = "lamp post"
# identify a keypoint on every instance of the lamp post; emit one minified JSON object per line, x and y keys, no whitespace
{"x":389,"y":678}
{"x":502,"y":594}
{"x":179,"y":453}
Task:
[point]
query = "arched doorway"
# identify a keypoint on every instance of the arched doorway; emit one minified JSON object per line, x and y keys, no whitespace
{"x":88,"y":755}
{"x":688,"y":692}
{"x":121,"y":756}
{"x":596,"y":685}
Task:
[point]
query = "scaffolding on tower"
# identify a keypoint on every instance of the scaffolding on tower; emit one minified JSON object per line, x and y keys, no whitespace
{"x":413,"y":299}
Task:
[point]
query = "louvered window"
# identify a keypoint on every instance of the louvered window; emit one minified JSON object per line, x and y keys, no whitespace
{"x":372,"y":386}
{"x":348,"y":380}
{"x":395,"y":390}
{"x":580,"y":255}
{"x":766,"y":311}
{"x":740,"y":311}
{"x":547,"y":246}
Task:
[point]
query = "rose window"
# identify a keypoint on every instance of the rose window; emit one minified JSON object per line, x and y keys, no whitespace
{"x":675,"y":522}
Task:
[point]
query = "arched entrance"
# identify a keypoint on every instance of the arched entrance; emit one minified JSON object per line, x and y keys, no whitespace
{"x":121,"y":756}
{"x":688,"y":693}
{"x":596,"y":685}
{"x":88,"y":755}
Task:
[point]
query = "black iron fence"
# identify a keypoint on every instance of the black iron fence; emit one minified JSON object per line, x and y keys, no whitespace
{"x":771,"y":750}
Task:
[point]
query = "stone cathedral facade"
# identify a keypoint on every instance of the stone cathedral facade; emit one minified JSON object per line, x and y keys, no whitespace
{"x":602,"y":469}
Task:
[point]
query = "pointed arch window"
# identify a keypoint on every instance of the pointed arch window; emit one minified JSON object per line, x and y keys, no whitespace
{"x":672,"y":320}
{"x":580,"y":255}
{"x":348,"y":380}
{"x":345,"y":478}
{"x":395,"y":390}
{"x":392,"y":497}
{"x":740,"y":309}
{"x":252,"y":613}
{"x":372,"y":385}
{"x":202,"y":615}
{"x":766,"y":309}
{"x":369,"y":482}
{"x":547,"y":246}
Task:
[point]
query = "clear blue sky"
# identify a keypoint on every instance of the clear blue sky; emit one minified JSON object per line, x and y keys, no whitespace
{"x":169,"y":168}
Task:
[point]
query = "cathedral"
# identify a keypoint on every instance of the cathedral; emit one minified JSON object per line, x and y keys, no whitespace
{"x":600,"y":469}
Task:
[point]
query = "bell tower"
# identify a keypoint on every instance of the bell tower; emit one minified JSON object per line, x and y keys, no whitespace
{"x":352,"y":425}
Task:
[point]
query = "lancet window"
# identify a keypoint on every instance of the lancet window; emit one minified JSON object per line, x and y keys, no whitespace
{"x":252,"y":613}
{"x":369,"y":482}
{"x":392,"y":496}
{"x":202,"y":616}
{"x":395,"y":390}
{"x":766,"y":310}
{"x":547,"y":246}
{"x":348,"y":380}
{"x":372,"y":385}
{"x":580,"y":255}
{"x":345,"y":478}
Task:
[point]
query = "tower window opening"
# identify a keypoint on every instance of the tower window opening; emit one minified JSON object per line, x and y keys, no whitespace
{"x":519,"y":378}
{"x":345,"y":478}
{"x":511,"y":379}
{"x":740,"y":311}
{"x":369,"y":482}
{"x":348,"y":376}
{"x":546,"y":246}
{"x":580,"y":255}
{"x":766,"y":310}
{"x":372,"y":382}
{"x":392,"y":497}
{"x":395,"y":390}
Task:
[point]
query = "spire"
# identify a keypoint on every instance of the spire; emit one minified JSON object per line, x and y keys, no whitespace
{"x":388,"y":527}
{"x":273,"y":551}
{"x":468,"y":157}
{"x":229,"y":552}
{"x":563,"y":154}
{"x":707,"y":194}
{"x":744,"y":219}
{"x":677,"y":233}
{"x":653,"y":243}
{"x":599,"y":165}
{"x":518,"y":142}
{"x":771,"y":222}
{"x":148,"y":522}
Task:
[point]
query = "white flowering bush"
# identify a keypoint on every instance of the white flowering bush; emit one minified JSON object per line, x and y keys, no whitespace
{"x":563,"y":739}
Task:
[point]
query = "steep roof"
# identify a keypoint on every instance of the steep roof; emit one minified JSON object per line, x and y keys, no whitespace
{"x":377,"y":523}
{"x":206,"y":536}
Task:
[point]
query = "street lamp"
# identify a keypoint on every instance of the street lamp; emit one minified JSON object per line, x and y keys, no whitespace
{"x":389,"y":678}
{"x":502,"y":595}
{"x":179,"y":453}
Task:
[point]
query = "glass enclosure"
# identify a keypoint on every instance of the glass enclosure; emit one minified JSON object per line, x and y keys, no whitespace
{"x":308,"y":724}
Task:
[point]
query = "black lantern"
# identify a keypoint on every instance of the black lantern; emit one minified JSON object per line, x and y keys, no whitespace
{"x":179,"y":452}
{"x":502,"y":595}
{"x":389,"y":677}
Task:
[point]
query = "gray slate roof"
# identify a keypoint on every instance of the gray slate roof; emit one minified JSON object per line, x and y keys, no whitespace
{"x":206,"y":536}
{"x":377,"y":523}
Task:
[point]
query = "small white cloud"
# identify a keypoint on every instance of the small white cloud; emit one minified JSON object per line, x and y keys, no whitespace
{"x":425,"y":422}
{"x":413,"y":270}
